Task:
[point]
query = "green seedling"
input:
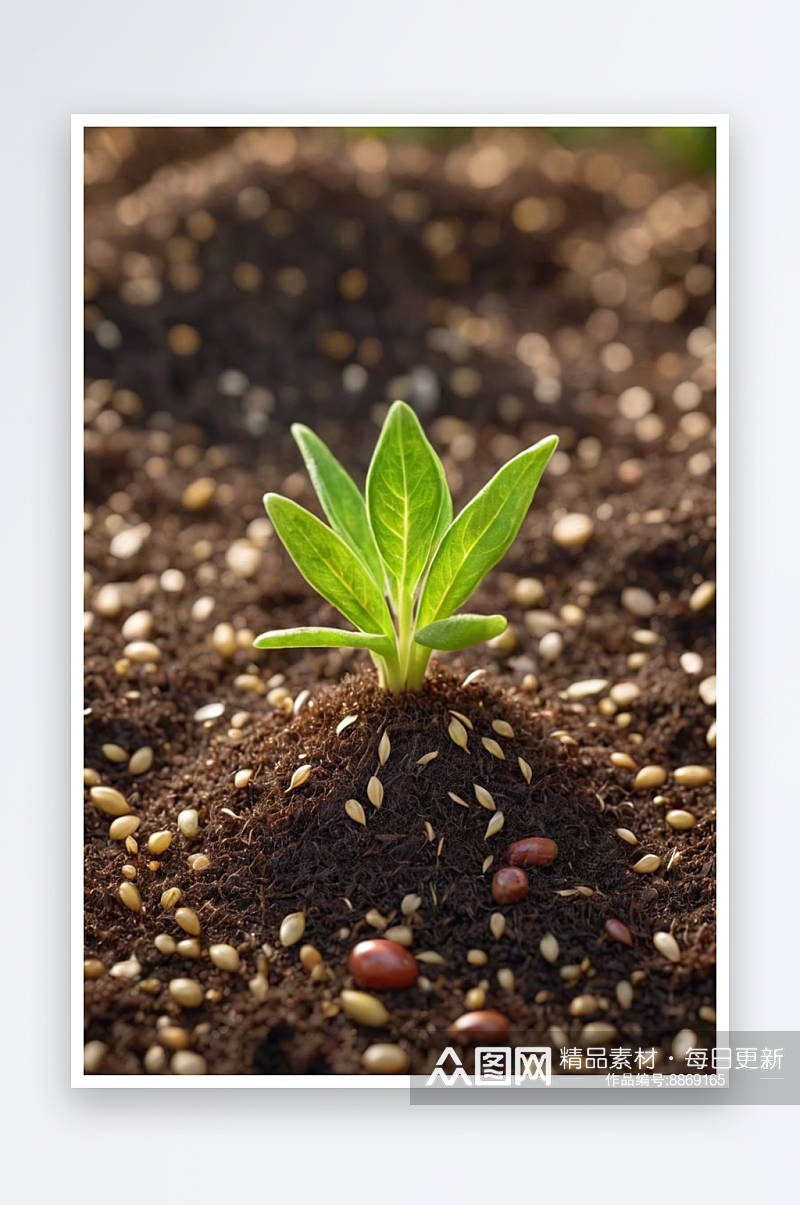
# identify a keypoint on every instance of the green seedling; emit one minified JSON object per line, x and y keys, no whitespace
{"x":396,"y":563}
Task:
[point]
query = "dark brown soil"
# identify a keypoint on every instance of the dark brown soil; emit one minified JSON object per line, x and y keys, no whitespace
{"x":279,"y":853}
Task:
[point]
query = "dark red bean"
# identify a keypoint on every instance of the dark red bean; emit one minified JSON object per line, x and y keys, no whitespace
{"x":382,"y":964}
{"x":509,"y":885}
{"x":619,"y":932}
{"x":532,"y":851}
{"x":486,"y":1023}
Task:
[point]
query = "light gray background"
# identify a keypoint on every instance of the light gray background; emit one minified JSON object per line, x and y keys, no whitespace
{"x":367,"y":56}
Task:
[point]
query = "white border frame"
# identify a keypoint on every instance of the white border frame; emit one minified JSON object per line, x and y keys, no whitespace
{"x":493,"y":120}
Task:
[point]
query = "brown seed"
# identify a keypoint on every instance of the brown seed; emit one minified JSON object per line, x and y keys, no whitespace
{"x":93,"y":968}
{"x":485,"y":1023}
{"x":186,"y":992}
{"x":174,"y":1037}
{"x":618,"y":932}
{"x":692,"y":776}
{"x":509,"y":885}
{"x":666,"y":944}
{"x":110,"y":801}
{"x":129,"y":894}
{"x":385,"y":1058}
{"x":650,"y":776}
{"x":188,"y":920}
{"x":158,"y":843}
{"x":647,"y":864}
{"x":355,"y":811}
{"x":122,"y":827}
{"x":363,"y":1008}
{"x":680,"y":819}
{"x":531,"y":851}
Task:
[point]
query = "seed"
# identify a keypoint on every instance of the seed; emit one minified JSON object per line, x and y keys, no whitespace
{"x":505,"y":978}
{"x":586,"y":688}
{"x":706,"y":1013}
{"x":384,"y":748}
{"x":110,"y":801}
{"x":509,"y":885}
{"x":557,"y":1036}
{"x":186,"y":992}
{"x":375,"y":791}
{"x":188,"y":1062}
{"x":363,"y":1008}
{"x":618,"y":932}
{"x":495,"y":824}
{"x":624,"y":994}
{"x":477,"y":958}
{"x":692,"y":776}
{"x":486,"y":1023}
{"x":647,"y":864}
{"x":666,"y":944}
{"x":292,"y":928}
{"x":410,"y":905}
{"x":157,"y":843}
{"x":581,"y":1006}
{"x":527,"y":772}
{"x":492,"y":747}
{"x":198,"y":863}
{"x":93,"y":968}
{"x":679,"y":819}
{"x":385,"y":1058}
{"x":597,"y":1033}
{"x":497,"y":924}
{"x":650,"y":776}
{"x":429,"y":831}
{"x":484,"y":798}
{"x":458,"y":734}
{"x":570,"y":973}
{"x":475,"y":998}
{"x":487,"y":863}
{"x":423,"y":761}
{"x":529,"y":683}
{"x":502,"y":728}
{"x":711,"y":735}
{"x":114,"y":753}
{"x":573,"y":531}
{"x":637,"y":977}
{"x":164,"y":943}
{"x":624,"y":693}
{"x":607,"y":707}
{"x":130,"y":969}
{"x":129,"y":894}
{"x":551,"y":646}
{"x":702,"y":595}
{"x":376,"y":919}
{"x":188,"y":920}
{"x":141,"y":651}
{"x":93,"y":1055}
{"x":122,"y":827}
{"x":627,"y":835}
{"x":224,"y":956}
{"x":531,"y":851}
{"x":154,"y":1060}
{"x":549,"y":948}
{"x":464,"y":719}
{"x":259,"y":986}
{"x":401,"y":934}
{"x":708,"y":690}
{"x":189,"y":947}
{"x":170,"y":898}
{"x":277,"y":696}
{"x":188,"y":822}
{"x":198,"y":494}
{"x":355,"y":811}
{"x":638,"y":602}
{"x":174,"y":1037}
{"x":224,"y":640}
{"x":431,"y":958}
{"x":623,"y":760}
{"x":90,"y":777}
{"x":141,"y":761}
{"x":691,"y":663}
{"x":473,"y":677}
{"x":457,"y":799}
{"x":241,"y":778}
{"x":129,"y":871}
{"x":300,"y":776}
{"x":137,"y":626}
{"x":345,"y":723}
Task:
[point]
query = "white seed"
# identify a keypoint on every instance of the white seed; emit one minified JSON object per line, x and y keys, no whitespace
{"x":384,"y":748}
{"x":527,"y":772}
{"x":93,"y":1055}
{"x":164,"y":943}
{"x":224,"y":956}
{"x":376,"y":919}
{"x":131,"y":968}
{"x":259,"y":986}
{"x":495,"y":824}
{"x":211,"y":711}
{"x":375,"y":791}
{"x":127,"y":542}
{"x":502,"y":728}
{"x":484,"y":798}
{"x":129,"y":894}
{"x":203,"y":608}
{"x":186,"y":992}
{"x":224,"y":640}
{"x":458,"y":733}
{"x":363,"y":1008}
{"x":188,"y":1062}
{"x":691,"y":663}
{"x":549,"y":948}
{"x":680,"y":819}
{"x":647,"y":864}
{"x":429,"y":830}
{"x":355,"y":811}
{"x":110,"y":801}
{"x":463,"y":719}
{"x":427,"y":757}
{"x":300,"y":776}
{"x":527,"y":592}
{"x":638,"y":602}
{"x":702,"y":595}
{"x":551,"y":646}
{"x":627,"y":835}
{"x":140,"y":651}
{"x":692,"y":776}
{"x":637,"y":660}
{"x":650,"y":776}
{"x":401,"y":934}
{"x":487,"y":863}
{"x":572,"y":615}
{"x":505,"y":978}
{"x":410,"y":905}
{"x":684,"y":1041}
{"x":277,"y":696}
{"x":188,"y":920}
{"x":708,"y":691}
{"x":586,"y":688}
{"x":539,"y":623}
{"x":137,"y":626}
{"x":122,"y":827}
{"x":624,"y":993}
{"x":108,"y":601}
{"x":170,"y":898}
{"x":492,"y":747}
{"x":155,"y":1060}
{"x":645,"y":636}
{"x":188,"y":822}
{"x":624,"y":693}
{"x":597,"y":1033}
{"x":292,"y":928}
{"x":477,"y":958}
{"x":430,"y":958}
{"x":497,"y":924}
{"x":473,"y":677}
{"x":573,"y":531}
{"x":241,"y":778}
{"x":384,"y":1058}
{"x":711,"y":736}
{"x":345,"y":723}
{"x":666,"y":944}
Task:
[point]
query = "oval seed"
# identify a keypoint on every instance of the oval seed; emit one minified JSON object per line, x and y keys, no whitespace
{"x":581,"y":1006}
{"x":618,"y":932}
{"x":666,"y":944}
{"x":627,"y":835}
{"x":186,"y":992}
{"x":573,"y":530}
{"x":505,"y":979}
{"x":94,"y":969}
{"x":692,"y":776}
{"x":122,"y":827}
{"x":93,"y":1056}
{"x":345,"y":723}
{"x":189,"y":948}
{"x":300,"y":776}
{"x":157,"y":843}
{"x":650,"y":776}
{"x":170,"y":898}
{"x":495,"y":824}
{"x":532,"y":851}
{"x":188,"y":1062}
{"x":624,"y":693}
{"x":142,"y":651}
{"x":487,"y":863}
{"x":509,"y":885}
{"x":497,"y":924}
{"x":623,"y":760}
{"x":141,"y":761}
{"x":292,"y":928}
{"x":410,"y":905}
{"x":464,"y":719}
{"x":376,"y":919}
{"x":647,"y":864}
{"x":503,"y":729}
{"x":129,"y":894}
{"x":90,"y":777}
{"x":355,"y":811}
{"x":706,"y":1013}
{"x":174,"y":1037}
{"x":385,"y":1058}
{"x":624,"y":993}
{"x":165,"y":943}
{"x":702,"y":595}
{"x":130,"y":969}
{"x":475,"y":998}
{"x":110,"y":801}
{"x":188,"y":920}
{"x":383,"y":964}
{"x":224,"y":641}
{"x":224,"y":956}
{"x":527,"y":772}
{"x":241,"y":778}
{"x":458,"y":734}
{"x":114,"y":753}
{"x":711,"y":735}
{"x":549,"y":948}
{"x":481,"y":1024}
{"x":188,"y":822}
{"x":597,"y":1033}
{"x":363,"y":1008}
{"x":680,"y":819}
{"x":310,"y":957}
{"x":484,"y":798}
{"x":375,"y":791}
{"x":431,"y":958}
{"x":401,"y":934}
{"x":492,"y":747}
{"x":384,"y":748}
{"x":423,"y":761}
{"x":457,"y":799}
{"x":477,"y":958}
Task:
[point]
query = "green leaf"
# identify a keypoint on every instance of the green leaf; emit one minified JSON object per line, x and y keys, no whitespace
{"x":460,"y":631}
{"x":318,"y":638}
{"x":408,"y":501}
{"x":340,"y":498}
{"x":329,"y":565}
{"x":482,"y":533}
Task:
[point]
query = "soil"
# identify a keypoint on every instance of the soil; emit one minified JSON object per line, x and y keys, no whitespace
{"x":157,"y":421}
